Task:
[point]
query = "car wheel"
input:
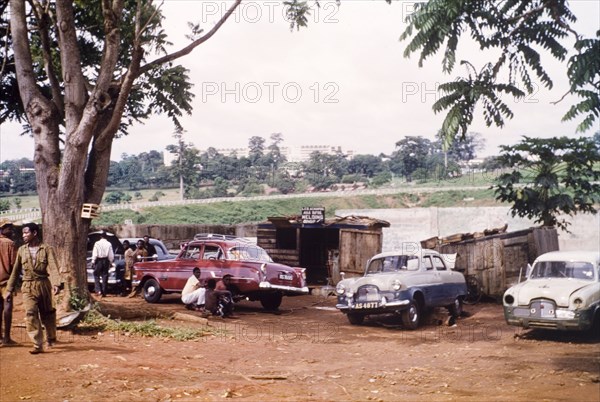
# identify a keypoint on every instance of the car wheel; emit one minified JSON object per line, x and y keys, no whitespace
{"x":152,"y":291}
{"x":411,"y":316}
{"x":456,"y":308}
{"x":356,"y":319}
{"x":271,"y":301}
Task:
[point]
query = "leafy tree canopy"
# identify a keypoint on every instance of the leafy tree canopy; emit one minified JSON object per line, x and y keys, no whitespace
{"x":515,"y":31}
{"x":552,"y":177}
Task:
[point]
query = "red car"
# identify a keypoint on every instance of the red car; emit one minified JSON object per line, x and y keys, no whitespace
{"x":254,"y":274}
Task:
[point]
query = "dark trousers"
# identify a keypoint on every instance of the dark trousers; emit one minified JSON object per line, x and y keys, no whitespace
{"x":6,"y":305}
{"x":101,"y":272}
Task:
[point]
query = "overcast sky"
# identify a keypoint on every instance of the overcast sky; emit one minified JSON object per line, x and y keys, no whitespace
{"x":341,"y":81}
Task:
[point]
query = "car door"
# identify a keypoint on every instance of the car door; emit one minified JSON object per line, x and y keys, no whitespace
{"x":432,"y":282}
{"x":446,"y":287}
{"x":176,"y":272}
{"x":211,"y":262}
{"x":435,"y":289}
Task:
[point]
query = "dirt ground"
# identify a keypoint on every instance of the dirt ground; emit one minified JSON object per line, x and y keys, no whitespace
{"x":307,"y":352}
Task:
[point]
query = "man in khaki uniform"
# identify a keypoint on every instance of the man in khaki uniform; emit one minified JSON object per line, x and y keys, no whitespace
{"x":8,"y":254}
{"x":37,"y":262}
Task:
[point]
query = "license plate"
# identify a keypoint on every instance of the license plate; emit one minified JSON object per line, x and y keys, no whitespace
{"x":286,"y":277}
{"x":366,"y":305}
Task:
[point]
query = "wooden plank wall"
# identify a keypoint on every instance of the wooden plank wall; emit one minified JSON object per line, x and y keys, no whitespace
{"x":266,"y":238}
{"x":497,"y":260}
{"x":356,"y":247}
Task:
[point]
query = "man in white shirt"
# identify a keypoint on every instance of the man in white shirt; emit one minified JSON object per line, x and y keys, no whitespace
{"x":193,"y":292}
{"x":102,"y":257}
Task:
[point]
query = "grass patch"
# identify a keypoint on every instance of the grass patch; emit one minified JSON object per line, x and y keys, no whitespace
{"x":246,"y":211}
{"x":94,"y":322}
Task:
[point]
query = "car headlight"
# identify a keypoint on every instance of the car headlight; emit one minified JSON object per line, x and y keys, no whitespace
{"x":340,"y":289}
{"x":568,"y":314}
{"x":396,"y":284}
{"x":578,"y":302}
{"x":509,"y":299}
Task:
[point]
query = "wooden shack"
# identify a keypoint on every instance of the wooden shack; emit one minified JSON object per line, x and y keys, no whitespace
{"x":325,"y":248}
{"x":496,"y":257}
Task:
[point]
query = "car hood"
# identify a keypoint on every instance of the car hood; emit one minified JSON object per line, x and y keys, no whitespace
{"x":558,"y":290}
{"x":382,"y":280}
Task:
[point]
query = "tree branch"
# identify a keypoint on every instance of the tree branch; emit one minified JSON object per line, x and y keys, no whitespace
{"x":188,"y":49}
{"x":42,"y":16}
{"x":74,"y":81}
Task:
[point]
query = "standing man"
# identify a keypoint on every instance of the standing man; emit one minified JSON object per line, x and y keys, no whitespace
{"x":129,"y":261}
{"x":149,"y":247}
{"x":36,"y":261}
{"x":8,"y":254}
{"x":102,"y":257}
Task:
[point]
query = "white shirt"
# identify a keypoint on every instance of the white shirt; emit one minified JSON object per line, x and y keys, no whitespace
{"x":190,"y":285}
{"x":103,"y":249}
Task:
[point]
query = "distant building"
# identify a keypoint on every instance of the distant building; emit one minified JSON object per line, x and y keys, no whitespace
{"x":292,"y":154}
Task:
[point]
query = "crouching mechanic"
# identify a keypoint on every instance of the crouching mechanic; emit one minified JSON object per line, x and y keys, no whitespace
{"x":218,"y":302}
{"x":36,"y":261}
{"x":193,"y":293}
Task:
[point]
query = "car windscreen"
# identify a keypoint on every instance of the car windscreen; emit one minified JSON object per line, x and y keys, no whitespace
{"x":393,"y":263}
{"x":254,"y":253}
{"x":563,"y":269}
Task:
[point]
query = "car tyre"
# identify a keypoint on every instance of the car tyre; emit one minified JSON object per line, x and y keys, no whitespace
{"x":152,"y":291}
{"x":456,"y":308}
{"x":411,"y":315}
{"x":271,"y":301}
{"x":356,"y":319}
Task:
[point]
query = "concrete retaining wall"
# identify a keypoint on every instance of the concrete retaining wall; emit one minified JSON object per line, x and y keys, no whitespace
{"x":416,"y":224}
{"x":407,"y":225}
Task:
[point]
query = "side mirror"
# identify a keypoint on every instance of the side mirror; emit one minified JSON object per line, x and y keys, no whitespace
{"x":342,"y":275}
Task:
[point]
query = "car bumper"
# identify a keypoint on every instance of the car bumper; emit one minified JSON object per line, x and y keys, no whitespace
{"x":112,"y":279}
{"x":283,"y":288}
{"x":387,"y":302}
{"x":521,"y":317}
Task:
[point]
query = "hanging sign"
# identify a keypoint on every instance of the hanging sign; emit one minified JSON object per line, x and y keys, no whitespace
{"x":312,"y":215}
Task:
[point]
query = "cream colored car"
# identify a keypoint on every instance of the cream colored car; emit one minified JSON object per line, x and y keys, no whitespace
{"x":562,"y":291}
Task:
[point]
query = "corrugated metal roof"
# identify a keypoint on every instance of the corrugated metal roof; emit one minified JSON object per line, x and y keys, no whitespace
{"x":338,"y":221}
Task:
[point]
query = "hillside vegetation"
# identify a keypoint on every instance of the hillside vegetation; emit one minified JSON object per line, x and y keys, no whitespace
{"x":228,"y":212}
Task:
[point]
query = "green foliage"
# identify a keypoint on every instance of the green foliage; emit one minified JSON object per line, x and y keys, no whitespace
{"x":94,"y":321}
{"x":250,"y":188}
{"x":117,"y":197}
{"x":564,"y":174}
{"x":411,"y":154}
{"x":76,"y":301}
{"x":513,"y":31}
{"x":4,"y":205}
{"x":584,"y":77}
{"x":297,"y":13}
{"x":381,"y":179}
{"x":352,"y":178}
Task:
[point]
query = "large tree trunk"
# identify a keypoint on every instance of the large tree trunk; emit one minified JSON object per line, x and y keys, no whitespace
{"x":91,"y":112}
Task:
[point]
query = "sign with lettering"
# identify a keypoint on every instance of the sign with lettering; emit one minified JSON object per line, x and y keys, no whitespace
{"x":311,"y":215}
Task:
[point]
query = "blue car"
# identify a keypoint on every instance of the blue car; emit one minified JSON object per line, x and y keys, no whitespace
{"x":404,"y":283}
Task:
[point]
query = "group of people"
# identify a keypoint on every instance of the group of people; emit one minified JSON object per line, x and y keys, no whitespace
{"x":213,"y":298}
{"x":103,"y":256}
{"x":34,"y":263}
